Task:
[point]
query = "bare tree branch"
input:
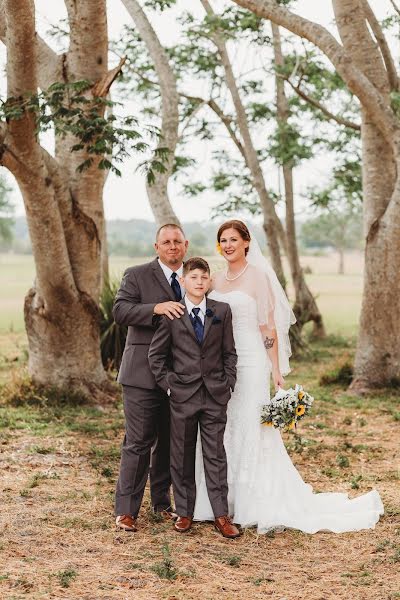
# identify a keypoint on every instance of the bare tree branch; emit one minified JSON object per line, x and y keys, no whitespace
{"x":383,"y":45}
{"x":158,"y":191}
{"x":102,"y":87}
{"x":49,"y":62}
{"x":396,"y":8}
{"x":272,"y":224}
{"x":22,"y":143}
{"x":372,"y":100}
{"x":225,"y":119}
{"x":190,"y":118}
{"x":322,"y":108}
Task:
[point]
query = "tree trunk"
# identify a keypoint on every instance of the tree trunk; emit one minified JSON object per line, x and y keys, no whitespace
{"x":272,"y":226}
{"x":379,"y":177}
{"x":377,"y":361}
{"x":158,"y":191}
{"x":362,"y":68}
{"x":63,"y":207}
{"x":305,"y":306}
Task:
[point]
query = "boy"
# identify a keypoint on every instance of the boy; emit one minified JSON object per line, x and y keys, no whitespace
{"x":194,"y":359}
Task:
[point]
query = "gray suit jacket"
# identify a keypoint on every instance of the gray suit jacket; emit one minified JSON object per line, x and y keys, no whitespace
{"x":142,"y":287}
{"x":181,"y":364}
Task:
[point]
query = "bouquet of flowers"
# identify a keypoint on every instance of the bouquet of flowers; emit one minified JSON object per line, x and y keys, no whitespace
{"x":286,"y":408}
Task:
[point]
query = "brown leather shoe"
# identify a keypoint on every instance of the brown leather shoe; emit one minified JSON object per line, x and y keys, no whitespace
{"x":183,"y":524}
{"x":126,"y":522}
{"x":225,"y":526}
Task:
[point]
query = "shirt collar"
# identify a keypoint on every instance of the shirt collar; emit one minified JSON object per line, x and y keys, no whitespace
{"x":202,"y":306}
{"x":168,"y":271}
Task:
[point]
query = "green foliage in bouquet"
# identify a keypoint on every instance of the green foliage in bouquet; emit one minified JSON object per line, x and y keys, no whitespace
{"x":286,"y":408}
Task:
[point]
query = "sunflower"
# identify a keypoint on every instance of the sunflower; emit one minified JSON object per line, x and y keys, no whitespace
{"x":300,"y":410}
{"x":218,"y":247}
{"x":291,"y":425}
{"x":300,"y":395}
{"x":268,"y":423}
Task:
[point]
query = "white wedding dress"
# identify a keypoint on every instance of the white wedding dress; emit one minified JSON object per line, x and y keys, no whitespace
{"x":265,"y":488}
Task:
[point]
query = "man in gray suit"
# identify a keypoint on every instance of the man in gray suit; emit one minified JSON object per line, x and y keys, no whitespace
{"x":194,"y":359}
{"x":147,"y":291}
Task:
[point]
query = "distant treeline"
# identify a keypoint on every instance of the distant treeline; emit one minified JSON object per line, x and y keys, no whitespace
{"x":135,"y":237}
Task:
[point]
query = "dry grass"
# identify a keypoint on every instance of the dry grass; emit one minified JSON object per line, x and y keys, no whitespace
{"x":58,"y":540}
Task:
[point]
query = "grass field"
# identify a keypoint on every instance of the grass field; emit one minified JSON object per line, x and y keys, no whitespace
{"x":338,"y":296}
{"x":59,"y":465}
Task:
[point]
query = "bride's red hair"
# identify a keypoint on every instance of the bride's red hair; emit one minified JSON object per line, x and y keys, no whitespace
{"x":238,"y":226}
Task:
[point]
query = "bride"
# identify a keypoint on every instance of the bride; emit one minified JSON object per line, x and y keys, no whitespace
{"x":265,"y":489}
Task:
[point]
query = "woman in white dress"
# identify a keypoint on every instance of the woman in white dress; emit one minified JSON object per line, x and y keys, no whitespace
{"x":265,"y":488}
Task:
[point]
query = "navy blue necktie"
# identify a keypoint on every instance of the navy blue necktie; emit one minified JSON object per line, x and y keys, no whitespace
{"x":176,"y":288}
{"x":197,"y":325}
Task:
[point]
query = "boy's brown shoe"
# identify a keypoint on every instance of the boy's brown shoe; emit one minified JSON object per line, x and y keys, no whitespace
{"x":225,"y":526}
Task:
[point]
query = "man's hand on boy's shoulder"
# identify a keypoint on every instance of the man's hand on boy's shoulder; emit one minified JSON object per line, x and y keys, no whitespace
{"x":171,"y":309}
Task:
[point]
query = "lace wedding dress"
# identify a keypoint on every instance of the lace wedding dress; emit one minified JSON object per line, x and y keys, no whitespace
{"x":265,"y":488}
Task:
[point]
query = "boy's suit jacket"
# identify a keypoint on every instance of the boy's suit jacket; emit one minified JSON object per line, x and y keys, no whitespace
{"x":180,"y":363}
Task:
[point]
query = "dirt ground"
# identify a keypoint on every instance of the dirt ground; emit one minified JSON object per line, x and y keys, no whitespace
{"x":58,"y":469}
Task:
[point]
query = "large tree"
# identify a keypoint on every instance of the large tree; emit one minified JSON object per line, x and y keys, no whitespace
{"x":63,"y":200}
{"x":365,"y":63}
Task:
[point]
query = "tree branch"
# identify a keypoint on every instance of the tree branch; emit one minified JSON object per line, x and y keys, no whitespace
{"x":322,"y":108}
{"x":185,"y":125}
{"x":102,"y":87}
{"x":24,"y":158}
{"x":272,"y":222}
{"x":383,"y":45}
{"x":49,"y":62}
{"x":222,"y":117}
{"x":21,"y":72}
{"x":396,"y":8}
{"x":380,"y":112}
{"x":158,"y":192}
{"x":165,"y":75}
{"x":87,"y":56}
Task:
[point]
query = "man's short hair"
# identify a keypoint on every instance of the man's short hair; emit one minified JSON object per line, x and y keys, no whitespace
{"x":173,"y":225}
{"x":196,"y":262}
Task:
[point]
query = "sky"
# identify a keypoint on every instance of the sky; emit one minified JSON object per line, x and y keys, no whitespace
{"x":125,"y":197}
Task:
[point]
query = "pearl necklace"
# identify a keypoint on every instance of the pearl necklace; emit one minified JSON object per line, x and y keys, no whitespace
{"x":236,"y":276}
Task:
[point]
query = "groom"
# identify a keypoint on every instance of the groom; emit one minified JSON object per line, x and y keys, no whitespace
{"x":146,"y":292}
{"x":194,"y":359}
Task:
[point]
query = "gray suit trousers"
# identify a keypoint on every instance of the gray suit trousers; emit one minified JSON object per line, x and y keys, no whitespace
{"x":201,"y":410}
{"x":146,"y":435}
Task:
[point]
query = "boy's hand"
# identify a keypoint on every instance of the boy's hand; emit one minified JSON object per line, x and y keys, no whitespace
{"x":170,"y":308}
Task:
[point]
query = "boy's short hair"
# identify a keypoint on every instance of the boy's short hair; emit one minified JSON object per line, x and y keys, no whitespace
{"x":196,"y":262}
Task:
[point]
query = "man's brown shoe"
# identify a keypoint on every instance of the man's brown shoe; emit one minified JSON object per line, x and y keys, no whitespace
{"x":183,"y":524}
{"x":226,"y":527}
{"x":126,"y":522}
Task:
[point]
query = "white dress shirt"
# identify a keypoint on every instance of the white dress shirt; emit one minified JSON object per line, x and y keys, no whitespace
{"x":202,"y":306}
{"x":168,"y":274}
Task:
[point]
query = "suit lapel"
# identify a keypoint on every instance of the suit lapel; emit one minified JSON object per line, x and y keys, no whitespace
{"x":208,"y":320}
{"x":162,"y":280}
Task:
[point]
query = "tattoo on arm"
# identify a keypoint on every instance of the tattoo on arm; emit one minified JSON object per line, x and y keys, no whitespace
{"x":269,"y":342}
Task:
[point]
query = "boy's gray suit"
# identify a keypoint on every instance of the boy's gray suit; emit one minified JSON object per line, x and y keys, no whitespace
{"x":146,"y":406}
{"x":200,"y":377}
